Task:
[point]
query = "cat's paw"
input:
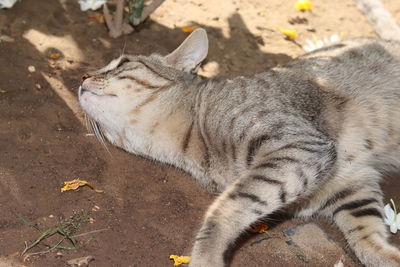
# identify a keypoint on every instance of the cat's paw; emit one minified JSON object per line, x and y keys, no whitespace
{"x":385,"y":257}
{"x":205,"y":261}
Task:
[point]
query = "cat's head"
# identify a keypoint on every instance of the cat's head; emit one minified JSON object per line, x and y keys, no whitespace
{"x":128,"y":91}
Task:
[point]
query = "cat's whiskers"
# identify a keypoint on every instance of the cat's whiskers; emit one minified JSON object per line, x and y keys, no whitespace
{"x":123,"y":49}
{"x":96,"y":130}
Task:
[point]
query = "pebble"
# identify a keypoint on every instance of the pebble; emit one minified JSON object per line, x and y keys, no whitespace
{"x":31,"y":68}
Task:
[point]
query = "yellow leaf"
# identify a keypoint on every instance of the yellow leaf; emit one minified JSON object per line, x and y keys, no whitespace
{"x":303,"y":5}
{"x":178,"y":260}
{"x":97,"y":16}
{"x":289,"y":33}
{"x":74,"y":184}
{"x":15,"y":254}
{"x":189,"y":29}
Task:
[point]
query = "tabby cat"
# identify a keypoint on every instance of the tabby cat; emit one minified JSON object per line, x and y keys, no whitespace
{"x":316,"y":133}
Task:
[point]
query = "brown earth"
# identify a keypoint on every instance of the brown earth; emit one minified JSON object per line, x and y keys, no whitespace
{"x":150,"y":210}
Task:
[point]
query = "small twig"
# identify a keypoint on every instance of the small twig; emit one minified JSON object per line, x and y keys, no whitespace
{"x":116,"y":25}
{"x":119,"y":13}
{"x":44,"y":251}
{"x":45,"y":234}
{"x":147,"y":10}
{"x":91,"y":232}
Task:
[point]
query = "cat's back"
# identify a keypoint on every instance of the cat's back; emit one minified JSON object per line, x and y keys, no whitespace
{"x":361,"y":66}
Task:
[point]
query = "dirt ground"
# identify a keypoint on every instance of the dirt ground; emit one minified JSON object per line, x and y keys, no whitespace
{"x":149,"y":210}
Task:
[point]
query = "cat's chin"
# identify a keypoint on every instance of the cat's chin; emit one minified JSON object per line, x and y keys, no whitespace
{"x":86,"y":91}
{"x":83,"y":91}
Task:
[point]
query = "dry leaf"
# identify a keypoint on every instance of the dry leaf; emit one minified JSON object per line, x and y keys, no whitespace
{"x":259,"y":228}
{"x":97,"y":16}
{"x":15,"y":254}
{"x":75,"y":184}
{"x":189,"y":29}
{"x":178,"y":260}
{"x":55,"y":56}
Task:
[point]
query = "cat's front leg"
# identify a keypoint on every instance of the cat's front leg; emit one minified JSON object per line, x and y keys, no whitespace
{"x":271,"y":182}
{"x":258,"y":194}
{"x":227,"y":217}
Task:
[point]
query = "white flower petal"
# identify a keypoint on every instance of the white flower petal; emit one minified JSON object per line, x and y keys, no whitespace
{"x":393,"y":228}
{"x":91,"y":4}
{"x":335,"y":38}
{"x":398,"y":221}
{"x":319,"y":44}
{"x":389,"y":213}
{"x":97,"y":4}
{"x":308,"y":48}
{"x":7,"y":3}
{"x":310,"y":43}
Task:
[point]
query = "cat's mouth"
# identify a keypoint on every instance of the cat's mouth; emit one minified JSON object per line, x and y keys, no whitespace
{"x":85,"y":90}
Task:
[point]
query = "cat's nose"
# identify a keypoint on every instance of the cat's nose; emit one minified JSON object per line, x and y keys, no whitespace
{"x":85,"y":76}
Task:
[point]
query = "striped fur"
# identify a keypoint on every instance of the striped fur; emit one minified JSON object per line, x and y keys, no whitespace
{"x":320,"y":129}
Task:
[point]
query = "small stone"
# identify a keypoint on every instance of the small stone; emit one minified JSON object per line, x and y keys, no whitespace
{"x":5,"y":38}
{"x":95,"y":208}
{"x":38,"y":86}
{"x":31,"y":68}
{"x":80,"y":262}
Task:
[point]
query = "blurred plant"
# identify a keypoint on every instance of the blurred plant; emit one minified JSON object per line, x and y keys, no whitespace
{"x":138,"y":11}
{"x":135,"y":10}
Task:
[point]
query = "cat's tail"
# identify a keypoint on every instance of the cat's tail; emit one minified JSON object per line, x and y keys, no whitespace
{"x":380,"y":19}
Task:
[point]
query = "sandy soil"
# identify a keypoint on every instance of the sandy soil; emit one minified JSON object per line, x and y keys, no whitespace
{"x":149,"y":210}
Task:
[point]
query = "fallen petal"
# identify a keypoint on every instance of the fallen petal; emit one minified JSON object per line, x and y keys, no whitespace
{"x":303,"y":5}
{"x":289,"y":33}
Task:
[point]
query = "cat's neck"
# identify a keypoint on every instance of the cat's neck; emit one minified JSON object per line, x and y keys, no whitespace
{"x":171,"y":135}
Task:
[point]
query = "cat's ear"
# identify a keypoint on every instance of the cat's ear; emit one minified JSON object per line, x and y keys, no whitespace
{"x":189,"y":55}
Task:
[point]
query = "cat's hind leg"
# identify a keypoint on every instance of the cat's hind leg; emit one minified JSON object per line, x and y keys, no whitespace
{"x":271,"y":183}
